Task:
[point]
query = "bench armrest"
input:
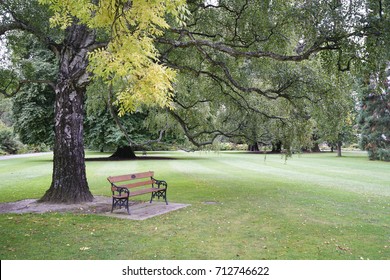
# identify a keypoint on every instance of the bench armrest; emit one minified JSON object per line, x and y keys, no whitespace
{"x":119,"y":190}
{"x":160,"y":183}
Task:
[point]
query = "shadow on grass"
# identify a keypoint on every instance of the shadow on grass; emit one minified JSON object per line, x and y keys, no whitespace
{"x":130,"y":159}
{"x":142,"y":158}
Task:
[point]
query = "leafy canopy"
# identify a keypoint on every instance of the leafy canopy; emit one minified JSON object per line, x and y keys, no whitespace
{"x":130,"y":58}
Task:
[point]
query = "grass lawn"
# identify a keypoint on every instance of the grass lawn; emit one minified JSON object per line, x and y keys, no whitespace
{"x":312,"y":206}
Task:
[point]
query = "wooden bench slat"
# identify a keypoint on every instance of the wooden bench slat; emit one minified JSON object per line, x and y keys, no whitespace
{"x":128,"y":177}
{"x":143,"y":191}
{"x":137,"y":184}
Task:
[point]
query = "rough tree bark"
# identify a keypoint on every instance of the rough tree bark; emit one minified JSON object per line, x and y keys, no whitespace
{"x":316,"y":148}
{"x":339,"y":145}
{"x":254,"y":147}
{"x":69,"y":181}
{"x":277,"y":147}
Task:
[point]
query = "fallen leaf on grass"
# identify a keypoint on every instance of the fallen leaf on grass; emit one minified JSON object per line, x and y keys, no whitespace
{"x":345,"y":249}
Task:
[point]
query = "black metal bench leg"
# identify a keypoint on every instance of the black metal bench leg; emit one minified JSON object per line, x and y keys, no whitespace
{"x":165,"y":197}
{"x":159,"y":194}
{"x":127,"y":206}
{"x":120,"y":203}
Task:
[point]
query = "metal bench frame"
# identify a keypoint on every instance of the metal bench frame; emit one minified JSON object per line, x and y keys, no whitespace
{"x":129,"y":185}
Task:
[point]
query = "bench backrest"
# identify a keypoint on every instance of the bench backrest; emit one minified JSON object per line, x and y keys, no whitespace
{"x":132,"y":180}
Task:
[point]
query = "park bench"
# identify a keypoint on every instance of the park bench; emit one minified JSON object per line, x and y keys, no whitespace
{"x":129,"y":185}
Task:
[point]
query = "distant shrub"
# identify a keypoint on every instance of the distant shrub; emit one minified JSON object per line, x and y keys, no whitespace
{"x":354,"y":146}
{"x":232,"y":147}
{"x":24,"y":149}
{"x":384,"y":154}
{"x":8,"y":142}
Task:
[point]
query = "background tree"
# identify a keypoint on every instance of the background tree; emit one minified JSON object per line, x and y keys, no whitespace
{"x":252,"y":60}
{"x":104,"y":130}
{"x":374,"y":119}
{"x":32,"y":107}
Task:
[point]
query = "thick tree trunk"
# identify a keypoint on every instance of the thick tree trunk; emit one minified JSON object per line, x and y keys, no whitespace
{"x":69,"y":181}
{"x":339,"y":145}
{"x":316,"y":148}
{"x":277,"y":147}
{"x":125,"y":152}
{"x":253,"y":147}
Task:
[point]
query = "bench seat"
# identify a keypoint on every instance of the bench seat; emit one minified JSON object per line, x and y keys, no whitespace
{"x":144,"y":191}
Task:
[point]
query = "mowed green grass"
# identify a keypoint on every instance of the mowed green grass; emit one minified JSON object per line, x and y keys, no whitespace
{"x":243,"y":206}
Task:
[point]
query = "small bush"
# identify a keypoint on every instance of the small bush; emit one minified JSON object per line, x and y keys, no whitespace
{"x":8,"y":142}
{"x":384,"y":154}
{"x":38,"y":148}
{"x":232,"y":147}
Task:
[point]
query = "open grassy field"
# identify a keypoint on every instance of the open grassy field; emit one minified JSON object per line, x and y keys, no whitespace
{"x":243,"y":206}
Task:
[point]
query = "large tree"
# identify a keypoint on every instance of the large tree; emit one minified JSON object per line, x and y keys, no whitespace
{"x":255,"y":69}
{"x":113,"y":40}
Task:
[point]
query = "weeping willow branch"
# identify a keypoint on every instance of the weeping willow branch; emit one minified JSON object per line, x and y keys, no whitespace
{"x":123,"y":129}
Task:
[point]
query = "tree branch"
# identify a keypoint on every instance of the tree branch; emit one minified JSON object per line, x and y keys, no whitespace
{"x":116,"y":118}
{"x":214,"y":133}
{"x":123,"y":129}
{"x":222,"y":47}
{"x":240,"y":101}
{"x":19,"y":24}
{"x":23,"y":82}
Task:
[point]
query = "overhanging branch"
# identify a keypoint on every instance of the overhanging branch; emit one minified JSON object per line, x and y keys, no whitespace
{"x":222,"y":47}
{"x":123,"y":129}
{"x":9,"y":93}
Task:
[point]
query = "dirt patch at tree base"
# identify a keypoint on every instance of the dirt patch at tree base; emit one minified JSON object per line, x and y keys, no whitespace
{"x":101,"y":205}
